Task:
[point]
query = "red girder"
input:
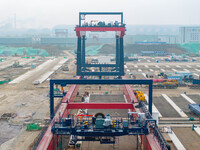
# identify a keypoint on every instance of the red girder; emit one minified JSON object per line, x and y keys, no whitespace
{"x":121,"y":30}
{"x":100,"y":29}
{"x":48,"y":140}
{"x":149,"y":141}
{"x":100,"y":106}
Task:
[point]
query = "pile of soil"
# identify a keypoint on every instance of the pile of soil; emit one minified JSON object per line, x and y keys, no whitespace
{"x":136,"y":49}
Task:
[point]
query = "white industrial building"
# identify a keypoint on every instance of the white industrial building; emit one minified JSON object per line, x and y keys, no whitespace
{"x":189,"y":34}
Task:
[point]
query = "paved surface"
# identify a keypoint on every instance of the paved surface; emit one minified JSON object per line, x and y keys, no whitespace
{"x":10,"y":132}
{"x":195,"y":98}
{"x":164,"y":107}
{"x":107,"y":98}
{"x":188,"y":138}
{"x":183,"y":105}
{"x":125,"y":142}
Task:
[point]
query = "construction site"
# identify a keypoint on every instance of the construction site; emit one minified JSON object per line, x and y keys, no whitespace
{"x":84,"y":102}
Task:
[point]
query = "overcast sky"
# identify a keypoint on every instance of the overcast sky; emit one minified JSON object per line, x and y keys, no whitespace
{"x":48,"y":13}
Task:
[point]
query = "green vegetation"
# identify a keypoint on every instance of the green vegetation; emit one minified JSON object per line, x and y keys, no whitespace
{"x":191,"y":47}
{"x":91,"y":50}
{"x":29,"y":51}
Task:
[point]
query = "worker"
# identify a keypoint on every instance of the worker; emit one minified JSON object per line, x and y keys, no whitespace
{"x":99,"y":88}
{"x":82,"y":98}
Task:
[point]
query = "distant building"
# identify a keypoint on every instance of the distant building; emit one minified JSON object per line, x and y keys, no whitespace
{"x":15,"y":40}
{"x":170,"y":39}
{"x":61,"y":32}
{"x":149,"y":43}
{"x":190,"y":34}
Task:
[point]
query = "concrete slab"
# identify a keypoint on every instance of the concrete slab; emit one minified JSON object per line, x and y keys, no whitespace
{"x":194,"y":97}
{"x":144,"y":75}
{"x":196,"y":75}
{"x":165,"y":108}
{"x":31,"y":72}
{"x":186,"y":70}
{"x":178,"y":66}
{"x":188,"y":66}
{"x":182,"y":103}
{"x":153,"y":106}
{"x":181,"y":113}
{"x":151,"y":70}
{"x":136,"y":66}
{"x":197,"y":70}
{"x":162,"y":69}
{"x":167,"y":66}
{"x":174,"y":70}
{"x":146,"y":66}
{"x":176,"y":141}
{"x":188,"y":99}
{"x":157,"y":66}
{"x":197,"y":130}
{"x":188,"y":138}
{"x":198,"y":65}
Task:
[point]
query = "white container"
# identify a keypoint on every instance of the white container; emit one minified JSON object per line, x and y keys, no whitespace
{"x":155,"y":115}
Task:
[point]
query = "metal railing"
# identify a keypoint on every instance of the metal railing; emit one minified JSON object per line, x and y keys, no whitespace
{"x":164,"y":145}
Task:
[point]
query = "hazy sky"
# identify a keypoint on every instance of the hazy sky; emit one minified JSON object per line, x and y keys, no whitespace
{"x":48,"y":13}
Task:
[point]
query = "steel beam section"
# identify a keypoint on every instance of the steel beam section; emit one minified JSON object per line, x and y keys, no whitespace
{"x":51,"y":101}
{"x":150,"y":98}
{"x":100,"y":106}
{"x":99,"y":73}
{"x":117,"y":53}
{"x":121,"y":57}
{"x":78,"y":61}
{"x":122,"y":29}
{"x":107,"y":132}
{"x":97,"y":81}
{"x":83,"y":51}
{"x":100,"y":65}
{"x":64,"y":82}
{"x":47,"y":142}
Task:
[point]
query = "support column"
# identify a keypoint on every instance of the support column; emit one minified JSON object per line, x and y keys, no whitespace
{"x":150,"y":97}
{"x":117,"y":53}
{"x":100,"y":71}
{"x":51,"y":100}
{"x":83,"y":51}
{"x":121,"y":61}
{"x":78,"y":62}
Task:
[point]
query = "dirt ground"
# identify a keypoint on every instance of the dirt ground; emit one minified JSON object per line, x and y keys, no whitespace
{"x":25,"y":99}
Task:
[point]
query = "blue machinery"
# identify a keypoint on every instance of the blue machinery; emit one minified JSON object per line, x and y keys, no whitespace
{"x":118,"y":27}
{"x":109,"y":126}
{"x":64,"y":82}
{"x":195,"y":107}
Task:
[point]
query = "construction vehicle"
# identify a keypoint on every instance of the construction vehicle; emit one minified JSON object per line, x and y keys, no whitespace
{"x":188,"y":78}
{"x":16,"y":64}
{"x":140,"y":96}
{"x":65,"y":68}
{"x":165,"y":83}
